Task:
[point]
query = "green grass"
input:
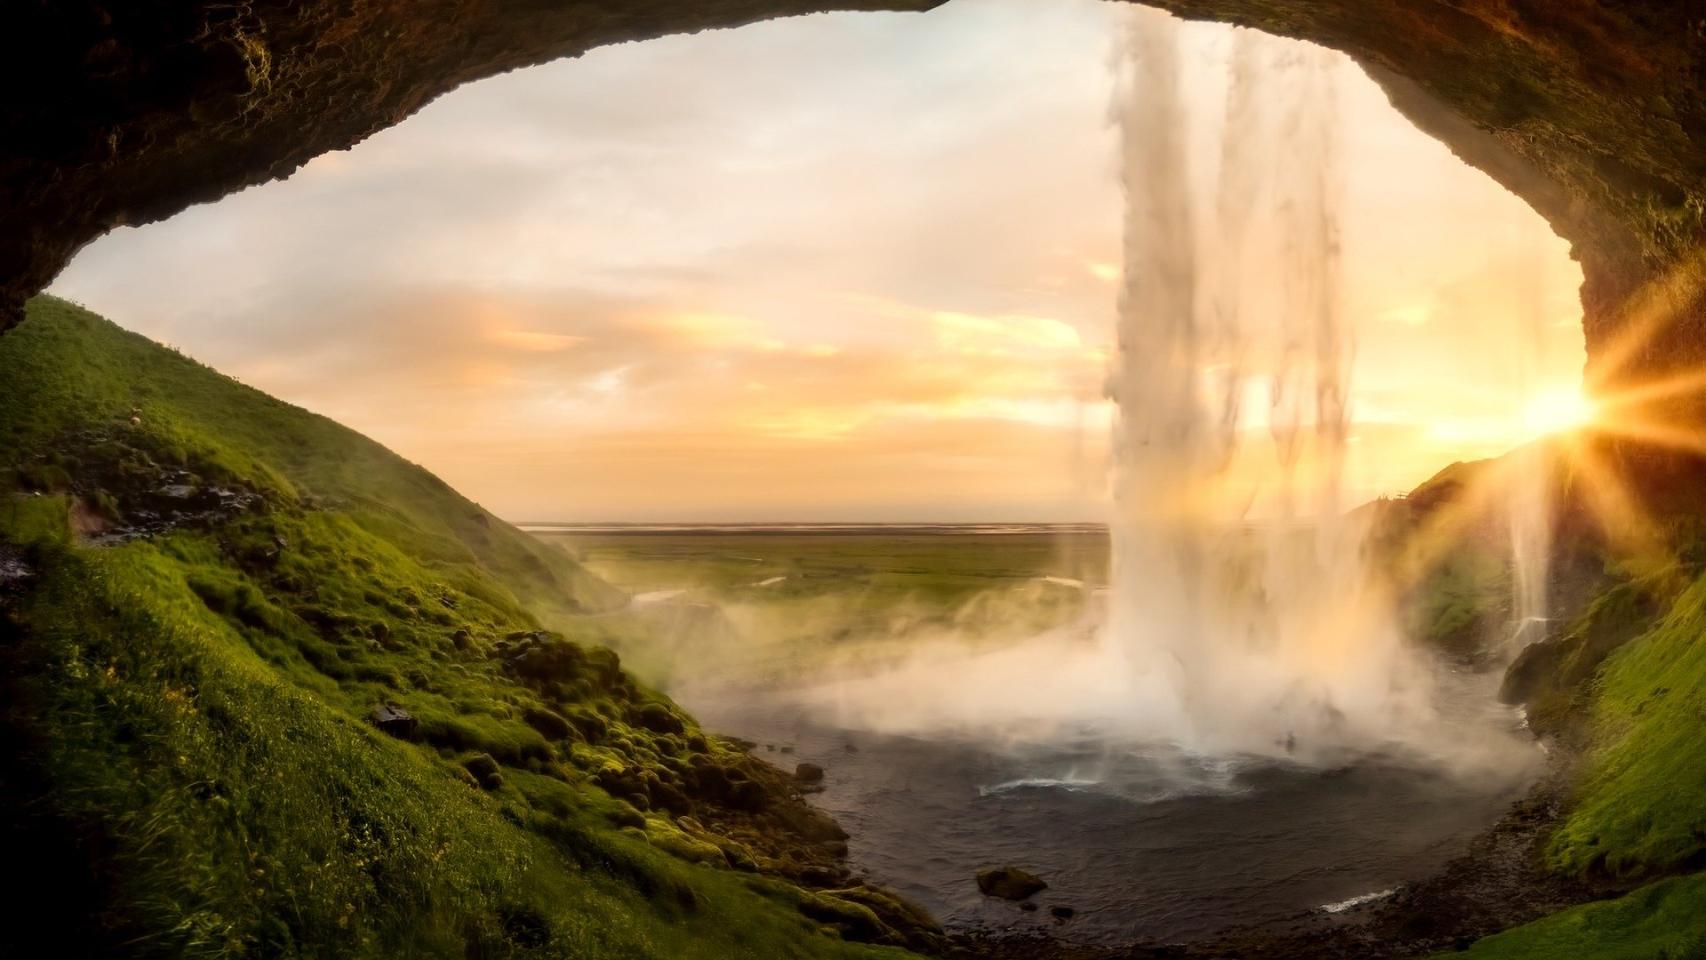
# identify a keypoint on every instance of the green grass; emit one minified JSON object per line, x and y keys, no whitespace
{"x":70,"y":373}
{"x":190,"y":770}
{"x":1662,"y":921}
{"x":1641,"y":806}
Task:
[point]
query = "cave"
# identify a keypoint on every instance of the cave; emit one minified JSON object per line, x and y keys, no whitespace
{"x":1588,"y":111}
{"x":1592,"y":112}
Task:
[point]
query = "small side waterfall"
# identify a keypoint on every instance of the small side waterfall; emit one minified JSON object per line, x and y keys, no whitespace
{"x":1258,"y":632}
{"x":1528,"y":493}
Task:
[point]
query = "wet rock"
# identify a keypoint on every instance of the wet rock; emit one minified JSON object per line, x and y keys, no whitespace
{"x":1029,"y":906}
{"x":1061,"y":911}
{"x":808,"y":773}
{"x":1009,"y":883}
{"x":395,"y":721}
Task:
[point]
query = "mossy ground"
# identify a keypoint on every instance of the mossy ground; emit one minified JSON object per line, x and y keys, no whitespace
{"x":190,"y":767}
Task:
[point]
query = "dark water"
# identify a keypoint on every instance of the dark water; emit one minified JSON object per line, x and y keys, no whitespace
{"x":1144,"y":842}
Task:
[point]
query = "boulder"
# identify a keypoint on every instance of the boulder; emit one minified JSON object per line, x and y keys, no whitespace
{"x":1009,"y":883}
{"x":808,"y":773}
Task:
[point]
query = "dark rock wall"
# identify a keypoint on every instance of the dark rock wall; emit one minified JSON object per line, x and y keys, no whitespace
{"x":119,"y":113}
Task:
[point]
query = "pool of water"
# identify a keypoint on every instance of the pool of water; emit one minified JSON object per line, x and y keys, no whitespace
{"x":1143,"y":841}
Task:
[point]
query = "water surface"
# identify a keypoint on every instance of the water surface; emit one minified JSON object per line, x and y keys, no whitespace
{"x":1144,"y":842}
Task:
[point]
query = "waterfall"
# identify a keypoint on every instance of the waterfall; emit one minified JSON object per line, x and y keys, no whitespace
{"x":1528,"y":487}
{"x":1260,"y":633}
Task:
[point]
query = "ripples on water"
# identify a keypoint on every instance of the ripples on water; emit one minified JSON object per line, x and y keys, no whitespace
{"x":1144,"y":841}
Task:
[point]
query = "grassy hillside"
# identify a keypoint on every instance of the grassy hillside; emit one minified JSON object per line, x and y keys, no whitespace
{"x":205,"y":594}
{"x":1661,"y":921}
{"x":1622,"y":690}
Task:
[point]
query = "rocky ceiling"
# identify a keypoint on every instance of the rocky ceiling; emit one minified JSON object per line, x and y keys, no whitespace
{"x":124,"y":112}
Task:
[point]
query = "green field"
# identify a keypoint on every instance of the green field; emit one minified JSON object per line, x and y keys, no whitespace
{"x":770,"y":604}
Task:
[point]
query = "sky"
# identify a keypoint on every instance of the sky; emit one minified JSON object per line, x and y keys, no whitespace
{"x":855,"y":267}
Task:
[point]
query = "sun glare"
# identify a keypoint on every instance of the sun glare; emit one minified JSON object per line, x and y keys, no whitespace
{"x":1557,"y":411}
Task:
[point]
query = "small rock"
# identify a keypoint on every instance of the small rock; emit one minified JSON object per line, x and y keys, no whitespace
{"x":394,"y":720}
{"x":1029,"y":906}
{"x":808,"y":773}
{"x":1009,"y":883}
{"x":1061,"y":911}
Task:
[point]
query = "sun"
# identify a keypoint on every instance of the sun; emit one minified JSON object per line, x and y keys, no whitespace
{"x":1557,"y":411}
